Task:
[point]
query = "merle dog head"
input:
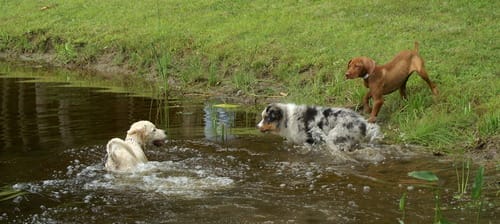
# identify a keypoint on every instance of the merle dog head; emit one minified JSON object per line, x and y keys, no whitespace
{"x":271,"y":118}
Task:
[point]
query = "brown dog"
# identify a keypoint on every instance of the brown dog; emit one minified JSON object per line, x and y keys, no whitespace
{"x":385,"y":79}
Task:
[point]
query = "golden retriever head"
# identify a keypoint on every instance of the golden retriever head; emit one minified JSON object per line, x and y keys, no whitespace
{"x":146,"y":133}
{"x":271,"y":118}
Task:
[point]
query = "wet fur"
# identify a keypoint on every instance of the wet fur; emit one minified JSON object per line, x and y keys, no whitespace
{"x":125,"y":155}
{"x":340,"y":128}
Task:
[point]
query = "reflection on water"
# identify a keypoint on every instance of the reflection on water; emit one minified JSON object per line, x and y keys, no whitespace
{"x":218,"y":122}
{"x":216,"y":168}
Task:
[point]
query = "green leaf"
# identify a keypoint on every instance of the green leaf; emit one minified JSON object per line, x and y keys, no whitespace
{"x":402,"y":202}
{"x":225,"y":105}
{"x":424,"y":175}
{"x":444,"y":221}
{"x":478,"y":183}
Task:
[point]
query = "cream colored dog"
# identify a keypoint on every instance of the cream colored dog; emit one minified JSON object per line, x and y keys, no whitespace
{"x":123,"y":156}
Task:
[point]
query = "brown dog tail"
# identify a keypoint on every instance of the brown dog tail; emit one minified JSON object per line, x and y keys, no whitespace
{"x":416,"y":46}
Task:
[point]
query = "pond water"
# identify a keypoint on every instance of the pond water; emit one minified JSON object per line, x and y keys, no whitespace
{"x":215,"y":168}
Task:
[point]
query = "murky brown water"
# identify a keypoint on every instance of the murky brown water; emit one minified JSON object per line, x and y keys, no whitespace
{"x":216,"y":168}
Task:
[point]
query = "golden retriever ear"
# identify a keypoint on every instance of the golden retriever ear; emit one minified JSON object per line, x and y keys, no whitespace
{"x":136,"y":130}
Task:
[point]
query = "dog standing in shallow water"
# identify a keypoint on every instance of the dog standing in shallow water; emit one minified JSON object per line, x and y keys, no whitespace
{"x":123,"y":156}
{"x":385,"y":79}
{"x":341,"y":129}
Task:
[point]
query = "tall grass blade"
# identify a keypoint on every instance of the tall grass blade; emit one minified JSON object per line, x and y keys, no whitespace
{"x":463,"y":179}
{"x":477,"y":186}
{"x":7,"y":193}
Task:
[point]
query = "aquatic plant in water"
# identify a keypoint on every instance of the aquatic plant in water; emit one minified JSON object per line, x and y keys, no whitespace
{"x":462,"y":179}
{"x":431,"y":178}
{"x":7,"y":193}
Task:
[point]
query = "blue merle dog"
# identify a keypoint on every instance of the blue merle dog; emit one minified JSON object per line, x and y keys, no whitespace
{"x":340,"y":128}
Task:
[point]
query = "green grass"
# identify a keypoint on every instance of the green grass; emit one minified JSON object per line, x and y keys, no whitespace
{"x":296,"y":47}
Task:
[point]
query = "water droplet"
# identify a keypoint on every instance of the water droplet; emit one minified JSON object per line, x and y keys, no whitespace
{"x":352,"y":204}
{"x":17,"y":199}
{"x":87,"y":198}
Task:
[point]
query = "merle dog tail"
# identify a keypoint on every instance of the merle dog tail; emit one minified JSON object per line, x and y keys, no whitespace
{"x":373,"y":132}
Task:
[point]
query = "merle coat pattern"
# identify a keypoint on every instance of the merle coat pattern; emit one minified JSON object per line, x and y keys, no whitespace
{"x":340,"y":128}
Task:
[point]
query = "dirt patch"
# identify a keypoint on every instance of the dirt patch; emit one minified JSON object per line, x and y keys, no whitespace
{"x":105,"y":65}
{"x":486,"y":152}
{"x":31,"y":58}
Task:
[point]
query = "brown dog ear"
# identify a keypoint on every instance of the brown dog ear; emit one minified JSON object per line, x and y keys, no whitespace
{"x":349,"y":63}
{"x":369,"y":65}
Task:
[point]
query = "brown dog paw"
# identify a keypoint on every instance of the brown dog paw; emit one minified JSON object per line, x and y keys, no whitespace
{"x":372,"y":119}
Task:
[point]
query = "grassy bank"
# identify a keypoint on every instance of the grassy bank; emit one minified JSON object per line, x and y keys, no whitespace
{"x":300,"y":48}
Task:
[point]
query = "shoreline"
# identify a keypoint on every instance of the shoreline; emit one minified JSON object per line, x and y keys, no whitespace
{"x":254,"y":54}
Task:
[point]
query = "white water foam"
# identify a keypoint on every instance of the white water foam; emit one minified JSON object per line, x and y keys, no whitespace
{"x":365,"y":153}
{"x":168,"y":178}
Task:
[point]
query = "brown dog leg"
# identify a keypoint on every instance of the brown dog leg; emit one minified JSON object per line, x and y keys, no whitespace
{"x":402,"y":90}
{"x":378,"y":101}
{"x":366,"y":103}
{"x":423,"y":74}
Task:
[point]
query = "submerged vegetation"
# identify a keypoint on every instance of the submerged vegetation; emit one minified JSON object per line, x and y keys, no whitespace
{"x":474,"y":202}
{"x":289,"y":50}
{"x":8,"y":193}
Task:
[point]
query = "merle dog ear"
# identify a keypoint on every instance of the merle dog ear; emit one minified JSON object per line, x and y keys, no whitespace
{"x":275,"y":114}
{"x":268,"y":108}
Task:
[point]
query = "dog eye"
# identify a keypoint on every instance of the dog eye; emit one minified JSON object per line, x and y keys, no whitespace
{"x":270,"y":118}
